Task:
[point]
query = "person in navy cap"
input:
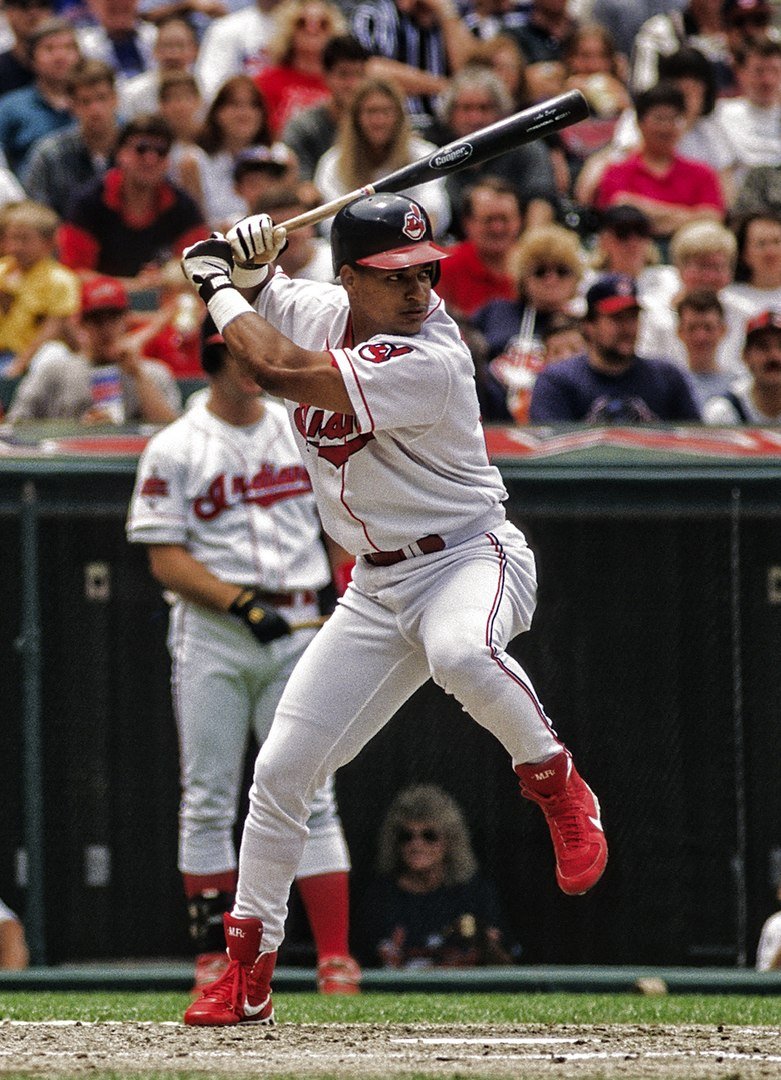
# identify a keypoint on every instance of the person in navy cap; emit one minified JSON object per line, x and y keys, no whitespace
{"x":609,"y":383}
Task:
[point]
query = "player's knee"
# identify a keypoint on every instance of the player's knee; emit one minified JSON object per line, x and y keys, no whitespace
{"x":453,"y":661}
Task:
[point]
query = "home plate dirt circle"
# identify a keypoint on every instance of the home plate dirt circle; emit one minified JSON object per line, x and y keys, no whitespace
{"x":379,"y":1050}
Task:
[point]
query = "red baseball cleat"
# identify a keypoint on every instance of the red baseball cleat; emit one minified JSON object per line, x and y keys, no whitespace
{"x":572,"y":813}
{"x":338,"y":975}
{"x":208,"y":968}
{"x":242,"y":994}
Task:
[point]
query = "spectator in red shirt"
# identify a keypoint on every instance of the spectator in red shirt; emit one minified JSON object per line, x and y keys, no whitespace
{"x":670,"y":189}
{"x":131,"y":221}
{"x":477,"y":270}
{"x":296,"y":80}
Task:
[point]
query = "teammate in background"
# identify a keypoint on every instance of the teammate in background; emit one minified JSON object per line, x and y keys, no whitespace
{"x":769,"y":947}
{"x":14,"y":955}
{"x":390,"y":432}
{"x":225,"y":508}
{"x":755,"y":398}
{"x":430,"y":906}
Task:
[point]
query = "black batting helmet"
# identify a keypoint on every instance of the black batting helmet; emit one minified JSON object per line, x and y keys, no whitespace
{"x":387,"y":231}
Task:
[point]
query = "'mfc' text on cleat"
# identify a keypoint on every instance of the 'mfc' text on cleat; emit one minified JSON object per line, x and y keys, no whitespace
{"x":572,"y":812}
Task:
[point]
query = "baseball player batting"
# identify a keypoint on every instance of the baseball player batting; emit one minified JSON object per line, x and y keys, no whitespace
{"x":381,"y":395}
{"x":226,"y":510}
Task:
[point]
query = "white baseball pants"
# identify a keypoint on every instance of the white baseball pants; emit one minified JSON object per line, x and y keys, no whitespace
{"x":227,"y":685}
{"x":447,"y":616}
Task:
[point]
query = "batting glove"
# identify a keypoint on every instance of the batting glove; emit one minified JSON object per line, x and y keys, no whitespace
{"x":208,"y":264}
{"x":265,"y":623}
{"x":255,"y":242}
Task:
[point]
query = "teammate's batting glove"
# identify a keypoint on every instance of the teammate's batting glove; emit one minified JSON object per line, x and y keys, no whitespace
{"x":265,"y":623}
{"x":255,"y":242}
{"x":208,"y":265}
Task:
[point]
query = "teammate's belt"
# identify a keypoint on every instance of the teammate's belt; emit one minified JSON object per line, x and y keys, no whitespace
{"x":286,"y":599}
{"x":427,"y":545}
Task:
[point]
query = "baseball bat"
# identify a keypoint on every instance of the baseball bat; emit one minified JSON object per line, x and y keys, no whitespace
{"x":483,"y":145}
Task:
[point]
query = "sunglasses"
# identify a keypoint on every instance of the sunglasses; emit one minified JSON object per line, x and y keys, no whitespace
{"x":430,"y":836}
{"x":559,"y":269}
{"x":143,"y":147}
{"x":312,"y":23}
{"x":750,"y":18}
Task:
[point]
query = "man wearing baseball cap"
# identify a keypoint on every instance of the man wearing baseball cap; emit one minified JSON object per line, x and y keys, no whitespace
{"x":107,"y":369}
{"x":755,"y":397}
{"x":609,"y":383}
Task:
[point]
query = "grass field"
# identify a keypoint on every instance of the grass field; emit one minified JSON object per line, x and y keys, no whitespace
{"x":411,"y":1008}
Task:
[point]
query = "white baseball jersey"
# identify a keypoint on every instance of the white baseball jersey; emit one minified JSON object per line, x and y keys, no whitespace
{"x":385,"y":477}
{"x":238,"y":498}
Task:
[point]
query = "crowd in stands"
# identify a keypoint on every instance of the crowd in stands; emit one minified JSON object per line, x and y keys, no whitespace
{"x":640,"y":247}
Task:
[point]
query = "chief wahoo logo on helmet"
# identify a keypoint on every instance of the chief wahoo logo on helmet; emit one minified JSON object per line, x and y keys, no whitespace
{"x":414,"y":226}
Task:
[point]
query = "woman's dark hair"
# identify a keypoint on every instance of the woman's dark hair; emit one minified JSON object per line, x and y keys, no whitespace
{"x":211,"y":136}
{"x":663,"y":93}
{"x":740,"y":228}
{"x":689,"y":63}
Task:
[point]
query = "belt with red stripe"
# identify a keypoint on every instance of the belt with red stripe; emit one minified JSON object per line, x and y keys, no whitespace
{"x":427,"y":545}
{"x":286,"y":599}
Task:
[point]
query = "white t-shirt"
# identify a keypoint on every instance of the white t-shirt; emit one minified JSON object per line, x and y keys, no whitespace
{"x":6,"y":915}
{"x":412,"y":460}
{"x":239,"y":499}
{"x":233,"y":45}
{"x":753,"y":132}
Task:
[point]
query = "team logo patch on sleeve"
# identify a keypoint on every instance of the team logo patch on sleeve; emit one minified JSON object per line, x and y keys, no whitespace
{"x":154,"y":487}
{"x":380,"y":351}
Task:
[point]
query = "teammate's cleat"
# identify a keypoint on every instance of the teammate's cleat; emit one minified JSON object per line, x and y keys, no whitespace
{"x":572,"y":813}
{"x":242,"y":994}
{"x":338,"y":975}
{"x":208,"y":968}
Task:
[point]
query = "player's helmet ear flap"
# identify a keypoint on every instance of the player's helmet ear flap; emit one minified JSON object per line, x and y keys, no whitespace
{"x":387,"y":231}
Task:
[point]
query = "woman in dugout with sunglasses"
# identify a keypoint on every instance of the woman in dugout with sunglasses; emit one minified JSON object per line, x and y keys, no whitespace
{"x":429,"y":907}
{"x":548,"y":264}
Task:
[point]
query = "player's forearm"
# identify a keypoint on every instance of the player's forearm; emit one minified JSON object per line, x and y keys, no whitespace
{"x":283,"y":368}
{"x":176,"y":569}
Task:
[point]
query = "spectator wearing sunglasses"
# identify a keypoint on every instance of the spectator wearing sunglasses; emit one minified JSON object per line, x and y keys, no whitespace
{"x":547,"y":265}
{"x":132,"y":220}
{"x":429,"y":906}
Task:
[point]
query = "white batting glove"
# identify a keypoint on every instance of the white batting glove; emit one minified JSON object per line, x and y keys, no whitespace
{"x":255,"y":242}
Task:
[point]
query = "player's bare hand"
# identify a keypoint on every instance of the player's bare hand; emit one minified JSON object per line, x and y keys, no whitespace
{"x":256,"y":240}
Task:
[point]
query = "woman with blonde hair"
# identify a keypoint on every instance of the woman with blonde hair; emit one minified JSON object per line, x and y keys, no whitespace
{"x":294,"y":79}
{"x":548,"y":264}
{"x":375,"y":138}
{"x":429,"y":906}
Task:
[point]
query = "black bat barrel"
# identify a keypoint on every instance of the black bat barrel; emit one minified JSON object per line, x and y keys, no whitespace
{"x":526,"y":126}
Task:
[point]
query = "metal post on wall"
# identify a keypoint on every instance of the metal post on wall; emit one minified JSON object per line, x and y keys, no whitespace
{"x":741,"y":814}
{"x":29,"y":646}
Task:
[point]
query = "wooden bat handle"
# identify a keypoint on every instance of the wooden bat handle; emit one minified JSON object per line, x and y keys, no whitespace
{"x":320,"y":213}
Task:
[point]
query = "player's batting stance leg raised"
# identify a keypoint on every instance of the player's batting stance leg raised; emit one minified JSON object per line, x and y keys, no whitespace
{"x":380,"y":391}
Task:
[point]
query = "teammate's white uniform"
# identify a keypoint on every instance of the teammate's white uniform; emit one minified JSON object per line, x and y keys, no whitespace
{"x":239,"y":500}
{"x":384,"y":479}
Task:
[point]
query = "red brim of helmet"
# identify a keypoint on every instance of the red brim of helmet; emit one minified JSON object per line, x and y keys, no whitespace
{"x":410,"y":255}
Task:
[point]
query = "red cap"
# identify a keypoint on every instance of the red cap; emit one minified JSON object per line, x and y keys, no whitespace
{"x":400,"y":258}
{"x":103,"y":294}
{"x":766,"y":320}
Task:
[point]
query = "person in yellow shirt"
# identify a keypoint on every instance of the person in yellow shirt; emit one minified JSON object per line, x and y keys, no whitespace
{"x":38,"y":295}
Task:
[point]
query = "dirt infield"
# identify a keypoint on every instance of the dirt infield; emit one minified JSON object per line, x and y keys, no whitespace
{"x":71,"y":1048}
